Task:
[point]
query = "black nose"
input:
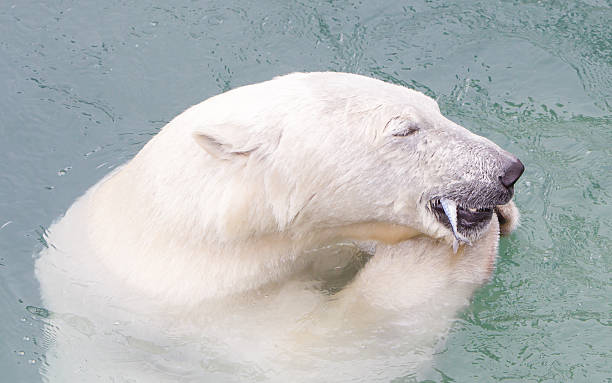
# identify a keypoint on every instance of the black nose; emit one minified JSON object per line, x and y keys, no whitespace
{"x":513,"y":173}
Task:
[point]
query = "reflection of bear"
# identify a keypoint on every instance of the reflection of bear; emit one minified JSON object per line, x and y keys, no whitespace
{"x":227,"y":245}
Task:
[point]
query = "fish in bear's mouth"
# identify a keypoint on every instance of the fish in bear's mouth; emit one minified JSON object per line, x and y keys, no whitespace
{"x":462,"y":220}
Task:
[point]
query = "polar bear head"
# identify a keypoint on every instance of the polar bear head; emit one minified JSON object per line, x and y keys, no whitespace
{"x":324,"y":150}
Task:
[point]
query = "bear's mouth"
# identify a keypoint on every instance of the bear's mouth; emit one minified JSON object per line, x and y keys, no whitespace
{"x":468,"y":218}
{"x":464,"y":221}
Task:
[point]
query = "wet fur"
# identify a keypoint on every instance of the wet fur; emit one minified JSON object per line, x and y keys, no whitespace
{"x":221,"y":232}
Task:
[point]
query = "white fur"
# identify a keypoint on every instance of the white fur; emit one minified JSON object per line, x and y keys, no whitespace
{"x":231,"y":217}
{"x":185,"y":224}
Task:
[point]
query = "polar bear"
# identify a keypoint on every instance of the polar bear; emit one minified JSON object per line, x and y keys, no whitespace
{"x":313,"y":212}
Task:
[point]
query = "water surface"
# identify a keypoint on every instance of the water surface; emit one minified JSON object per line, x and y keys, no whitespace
{"x":86,"y":84}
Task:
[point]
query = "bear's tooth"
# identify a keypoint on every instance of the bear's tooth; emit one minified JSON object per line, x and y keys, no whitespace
{"x":450,"y":209}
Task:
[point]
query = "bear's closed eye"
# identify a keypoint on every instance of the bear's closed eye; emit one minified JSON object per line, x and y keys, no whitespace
{"x":411,"y":129}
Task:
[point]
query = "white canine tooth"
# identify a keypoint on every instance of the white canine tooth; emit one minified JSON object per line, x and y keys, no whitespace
{"x":450,"y":209}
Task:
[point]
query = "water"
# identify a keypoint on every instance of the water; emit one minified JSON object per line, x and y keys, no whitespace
{"x":85,"y":85}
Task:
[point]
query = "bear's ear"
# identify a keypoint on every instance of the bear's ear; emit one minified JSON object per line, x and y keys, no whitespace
{"x":220,"y":149}
{"x":235,"y":140}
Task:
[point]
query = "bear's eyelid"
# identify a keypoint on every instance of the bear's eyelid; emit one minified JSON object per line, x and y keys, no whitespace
{"x":406,"y":129}
{"x":406,"y":132}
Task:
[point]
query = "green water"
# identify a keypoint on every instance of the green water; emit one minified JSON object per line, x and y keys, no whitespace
{"x":86,"y":84}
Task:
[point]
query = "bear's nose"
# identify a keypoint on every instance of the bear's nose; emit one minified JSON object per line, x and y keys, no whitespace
{"x":513,"y":172}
